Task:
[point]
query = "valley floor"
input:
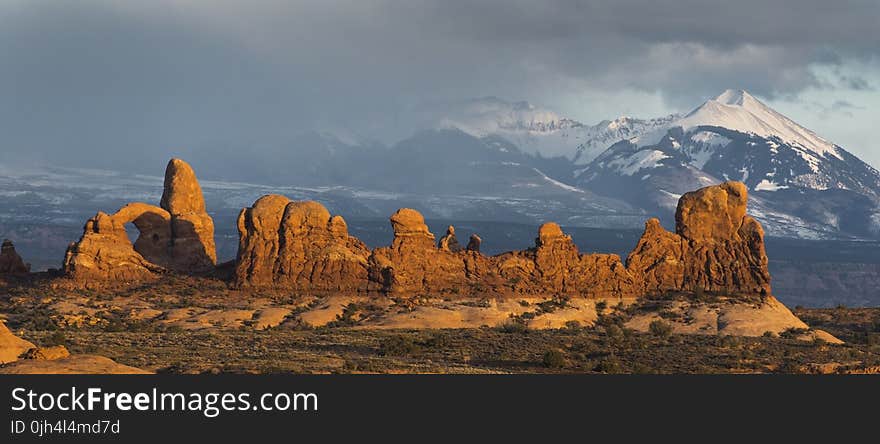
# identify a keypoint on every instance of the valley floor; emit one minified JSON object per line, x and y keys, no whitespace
{"x":479,"y":350}
{"x":201,"y":325}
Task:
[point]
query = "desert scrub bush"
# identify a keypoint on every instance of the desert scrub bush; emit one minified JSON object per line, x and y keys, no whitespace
{"x":478,"y":303}
{"x":553,"y":304}
{"x":660,"y":328}
{"x":513,"y":326}
{"x":437,"y":340}
{"x":793,"y":333}
{"x":729,"y":342}
{"x":397,"y":345}
{"x":56,"y":338}
{"x":609,"y":365}
{"x":614,"y":332}
{"x":354,"y":313}
{"x":601,"y":306}
{"x":572,"y":325}
{"x":669,"y":314}
{"x":553,"y":358}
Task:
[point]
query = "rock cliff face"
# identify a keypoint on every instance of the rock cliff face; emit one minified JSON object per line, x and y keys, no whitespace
{"x":449,"y":242}
{"x":414,"y":264}
{"x":298,"y":245}
{"x":554,"y":266}
{"x":192,"y":230}
{"x":179,"y":236}
{"x":11,"y":346}
{"x":716,"y":247}
{"x":10,"y":261}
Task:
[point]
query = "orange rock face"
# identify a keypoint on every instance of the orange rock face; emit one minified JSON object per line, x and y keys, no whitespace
{"x":10,"y":261}
{"x":178,"y":237}
{"x":104,"y":254}
{"x":716,"y":247}
{"x":413,"y":263}
{"x":298,"y":245}
{"x":192,"y":230}
{"x":555,"y":266}
{"x":449,"y":242}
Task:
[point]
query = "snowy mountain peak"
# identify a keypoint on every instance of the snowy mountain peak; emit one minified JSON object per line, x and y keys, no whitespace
{"x":491,"y":115}
{"x":739,"y":111}
{"x":620,"y":122}
{"x":735,"y":97}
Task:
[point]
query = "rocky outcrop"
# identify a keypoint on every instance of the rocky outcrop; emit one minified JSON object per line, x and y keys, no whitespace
{"x":474,"y":243}
{"x":179,"y":236}
{"x":11,"y":346}
{"x":554,"y":266}
{"x":104,"y":253}
{"x":71,"y":365}
{"x":10,"y":261}
{"x":192,"y":229}
{"x":414,"y":264}
{"x":716,"y":247}
{"x":298,"y":245}
{"x":22,"y":357}
{"x":449,"y":242}
{"x":46,"y":353}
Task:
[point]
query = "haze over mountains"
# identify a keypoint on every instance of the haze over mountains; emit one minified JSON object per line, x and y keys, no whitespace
{"x":515,"y":161}
{"x":492,"y":160}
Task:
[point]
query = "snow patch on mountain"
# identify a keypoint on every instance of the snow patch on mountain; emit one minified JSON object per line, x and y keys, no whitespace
{"x":557,"y":183}
{"x":766,"y":185}
{"x":740,"y":111}
{"x":542,"y":132}
{"x":599,"y":137}
{"x":637,"y":162}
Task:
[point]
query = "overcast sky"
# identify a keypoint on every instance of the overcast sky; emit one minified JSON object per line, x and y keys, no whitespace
{"x":120,"y":82}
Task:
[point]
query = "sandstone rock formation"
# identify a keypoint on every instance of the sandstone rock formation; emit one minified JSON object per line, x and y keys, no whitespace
{"x":71,"y":365}
{"x":179,"y":236}
{"x":716,"y":247}
{"x":192,"y":230}
{"x":22,"y":357}
{"x":10,"y":261}
{"x":413,"y":263}
{"x":474,"y":243}
{"x":11,"y":346}
{"x":46,"y":353}
{"x":555,"y":266}
{"x":298,"y":245}
{"x":104,"y":253}
{"x":449,"y":242}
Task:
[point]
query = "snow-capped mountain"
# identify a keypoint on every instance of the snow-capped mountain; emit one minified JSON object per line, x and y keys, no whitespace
{"x":599,"y":137}
{"x":534,"y":130}
{"x":801,"y":181}
{"x":542,"y":132}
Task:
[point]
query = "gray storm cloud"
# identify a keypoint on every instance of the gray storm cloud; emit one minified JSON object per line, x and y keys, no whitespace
{"x":129,"y":82}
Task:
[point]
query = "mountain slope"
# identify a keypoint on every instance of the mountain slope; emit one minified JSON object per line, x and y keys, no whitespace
{"x":804,"y":185}
{"x":539,"y":131}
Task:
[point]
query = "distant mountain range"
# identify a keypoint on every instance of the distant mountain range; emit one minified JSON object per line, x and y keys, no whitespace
{"x":491,"y":160}
{"x":804,"y":186}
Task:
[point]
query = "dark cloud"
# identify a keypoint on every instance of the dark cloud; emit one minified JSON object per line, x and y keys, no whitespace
{"x":127,"y":82}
